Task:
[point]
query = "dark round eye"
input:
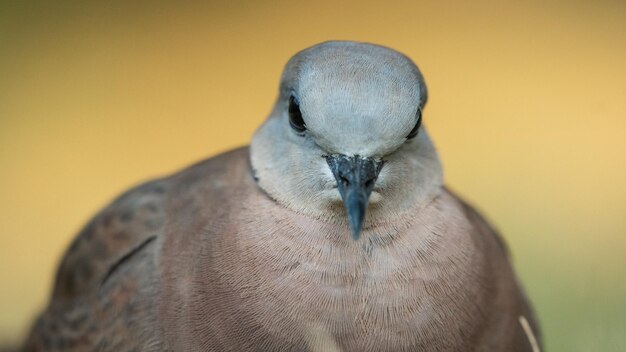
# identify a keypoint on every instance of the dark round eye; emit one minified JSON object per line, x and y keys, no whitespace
{"x":416,"y":129}
{"x":295,"y":115}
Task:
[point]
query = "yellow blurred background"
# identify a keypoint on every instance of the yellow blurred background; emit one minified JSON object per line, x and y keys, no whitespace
{"x":527,"y":107}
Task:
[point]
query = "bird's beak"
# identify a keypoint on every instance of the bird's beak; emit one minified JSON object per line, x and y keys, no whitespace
{"x":355,"y":180}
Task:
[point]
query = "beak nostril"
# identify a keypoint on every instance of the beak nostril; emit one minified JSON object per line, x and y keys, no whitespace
{"x":355,"y":178}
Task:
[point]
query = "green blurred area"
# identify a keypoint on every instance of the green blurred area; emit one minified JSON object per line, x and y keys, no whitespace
{"x":527,"y":108}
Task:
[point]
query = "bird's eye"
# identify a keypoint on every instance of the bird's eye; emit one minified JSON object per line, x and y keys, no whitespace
{"x":295,"y":116}
{"x":416,"y":129}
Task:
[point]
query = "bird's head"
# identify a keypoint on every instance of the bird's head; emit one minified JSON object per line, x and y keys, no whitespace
{"x":346,"y":133}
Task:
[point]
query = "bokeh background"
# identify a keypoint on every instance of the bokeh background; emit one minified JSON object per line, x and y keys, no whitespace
{"x":527,"y":107}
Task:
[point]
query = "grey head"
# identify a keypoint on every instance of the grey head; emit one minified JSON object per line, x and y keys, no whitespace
{"x":345,"y":135}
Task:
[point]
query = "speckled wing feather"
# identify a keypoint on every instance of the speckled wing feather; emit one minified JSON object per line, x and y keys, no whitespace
{"x":85,"y":310}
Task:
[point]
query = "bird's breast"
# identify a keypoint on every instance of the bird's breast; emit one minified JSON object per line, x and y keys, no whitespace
{"x":297,"y":276}
{"x":253,"y":273}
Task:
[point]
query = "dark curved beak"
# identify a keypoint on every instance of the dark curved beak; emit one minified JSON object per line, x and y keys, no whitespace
{"x":355,"y":180}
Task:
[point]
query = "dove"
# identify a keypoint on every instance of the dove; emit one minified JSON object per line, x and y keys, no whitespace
{"x":332,"y":231}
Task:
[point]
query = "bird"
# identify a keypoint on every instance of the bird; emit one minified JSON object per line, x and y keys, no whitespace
{"x":332,"y":231}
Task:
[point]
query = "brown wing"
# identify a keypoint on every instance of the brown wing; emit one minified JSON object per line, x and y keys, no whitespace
{"x":531,"y":330}
{"x":83,"y":312}
{"x":114,"y":234}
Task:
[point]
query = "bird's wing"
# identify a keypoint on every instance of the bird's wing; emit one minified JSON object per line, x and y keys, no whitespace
{"x":130,"y":223}
{"x":528,"y":325}
{"x":83,"y":312}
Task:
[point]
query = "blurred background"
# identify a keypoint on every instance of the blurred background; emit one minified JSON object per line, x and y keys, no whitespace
{"x":527,"y":107}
